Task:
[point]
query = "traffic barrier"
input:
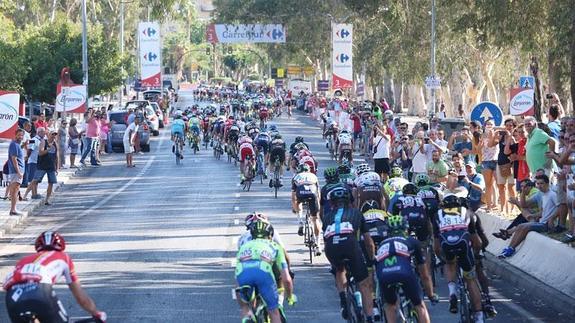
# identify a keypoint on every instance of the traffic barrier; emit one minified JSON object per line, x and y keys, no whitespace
{"x":546,"y":259}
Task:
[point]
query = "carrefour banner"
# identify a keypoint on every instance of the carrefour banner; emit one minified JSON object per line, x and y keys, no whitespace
{"x":342,"y":56}
{"x":150,"y":53}
{"x":9,"y":102}
{"x":71,"y":99}
{"x":236,"y":34}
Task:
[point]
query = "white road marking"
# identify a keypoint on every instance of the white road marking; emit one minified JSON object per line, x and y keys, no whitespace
{"x":236,"y":208}
{"x":234,"y":297}
{"x":238,"y":195}
{"x":236,"y":221}
{"x":233,"y":262}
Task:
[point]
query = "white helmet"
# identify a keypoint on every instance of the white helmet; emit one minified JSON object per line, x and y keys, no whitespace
{"x":388,"y":114}
{"x":362,"y":168}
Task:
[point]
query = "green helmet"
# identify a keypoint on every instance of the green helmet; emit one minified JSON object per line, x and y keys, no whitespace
{"x":396,"y":172}
{"x":330,"y":175}
{"x":261,"y":229}
{"x":397,"y":225}
{"x":422,"y":179}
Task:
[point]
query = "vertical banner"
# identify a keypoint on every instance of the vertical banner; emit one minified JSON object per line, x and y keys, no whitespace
{"x":150,"y":54}
{"x":342,"y":56}
{"x":9,"y":102}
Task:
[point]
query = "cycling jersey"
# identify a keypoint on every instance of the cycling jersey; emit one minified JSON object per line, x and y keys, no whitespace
{"x":263,"y":141}
{"x":246,"y":149}
{"x":376,"y":222}
{"x":243,"y":140}
{"x":277,"y":150}
{"x":178,"y":127}
{"x":430,"y":197}
{"x":194,"y":124}
{"x":348,"y":179}
{"x":46,"y":267}
{"x":414,"y":210}
{"x":344,"y":139}
{"x":451,"y":227}
{"x":256,"y":262}
{"x":394,"y":267}
{"x":305,"y":186}
{"x":308,"y":160}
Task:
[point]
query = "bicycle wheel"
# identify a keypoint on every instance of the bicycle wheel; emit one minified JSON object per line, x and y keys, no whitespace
{"x":308,"y":234}
{"x":432,"y":260}
{"x":177,"y":153}
{"x":276,"y":182}
{"x":464,"y":310}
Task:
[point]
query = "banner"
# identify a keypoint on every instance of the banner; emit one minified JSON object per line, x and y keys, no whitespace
{"x":71,"y":99}
{"x":360,"y":89}
{"x":150,"y":54}
{"x":241,"y":34}
{"x":522,"y":102}
{"x":9,"y":102}
{"x":342,"y":56}
{"x":323,"y":85}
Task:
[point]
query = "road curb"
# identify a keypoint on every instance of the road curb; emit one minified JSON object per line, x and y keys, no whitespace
{"x":8,"y":226}
{"x":559,"y":301}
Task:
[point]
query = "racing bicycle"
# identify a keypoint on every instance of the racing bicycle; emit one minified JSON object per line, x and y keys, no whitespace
{"x":276,"y":182}
{"x":353,"y":296}
{"x":194,"y":142}
{"x":218,"y":150}
{"x":260,"y":166}
{"x":250,"y":295}
{"x":178,"y":149}
{"x":251,"y":173}
{"x":308,"y":236}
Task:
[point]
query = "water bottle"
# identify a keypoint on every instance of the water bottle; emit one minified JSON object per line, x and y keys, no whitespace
{"x":357,"y":296}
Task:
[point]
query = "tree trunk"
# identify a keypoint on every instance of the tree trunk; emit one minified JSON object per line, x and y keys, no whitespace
{"x":554,"y":74}
{"x":388,"y":90}
{"x":572,"y":59}
{"x":538,"y":91}
{"x":398,"y":95}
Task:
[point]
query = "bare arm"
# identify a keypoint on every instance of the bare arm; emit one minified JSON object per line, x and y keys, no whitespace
{"x":82,"y":298}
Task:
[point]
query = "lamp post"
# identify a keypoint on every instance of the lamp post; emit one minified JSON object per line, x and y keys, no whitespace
{"x":432,"y":63}
{"x":85,"y":48}
{"x":122,"y":49}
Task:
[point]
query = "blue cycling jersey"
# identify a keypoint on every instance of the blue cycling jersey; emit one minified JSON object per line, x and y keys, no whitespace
{"x":178,"y":126}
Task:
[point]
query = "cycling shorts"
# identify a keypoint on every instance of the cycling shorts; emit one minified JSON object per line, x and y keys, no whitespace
{"x":420,"y":225}
{"x":263,"y":114}
{"x":406,"y":277}
{"x":245,"y":152}
{"x":369,"y":197}
{"x":36,"y":298}
{"x":263,"y":145}
{"x":277,"y":153}
{"x":346,"y":252}
{"x":264,"y":282}
{"x":178,"y":133}
{"x":459,"y":250}
{"x":195,"y":129}
{"x":308,"y":193}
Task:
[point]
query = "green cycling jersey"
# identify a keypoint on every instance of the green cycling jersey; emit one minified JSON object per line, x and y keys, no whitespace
{"x":261,"y":253}
{"x":194,"y":122}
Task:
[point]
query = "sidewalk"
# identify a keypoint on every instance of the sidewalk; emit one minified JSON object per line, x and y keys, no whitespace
{"x":8,"y":222}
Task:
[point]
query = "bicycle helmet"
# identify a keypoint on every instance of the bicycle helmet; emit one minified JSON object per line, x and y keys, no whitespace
{"x":330,"y":175}
{"x":299,"y":139}
{"x":362,"y":168}
{"x":303,"y":168}
{"x":450,"y":201}
{"x":422,"y":179}
{"x":395,"y":172}
{"x":343,"y":169}
{"x":344,"y":131}
{"x":273,"y":127}
{"x":410,"y":189}
{"x":254,"y":216}
{"x":397,"y":225}
{"x":178,"y":114}
{"x":261,"y":229}
{"x":277,"y":136}
{"x":50,"y":240}
{"x":339,"y":193}
{"x":300,"y":146}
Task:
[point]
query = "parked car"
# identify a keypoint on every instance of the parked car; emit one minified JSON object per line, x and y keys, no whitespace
{"x":450,"y":125}
{"x":118,"y":119}
{"x":159,"y":113}
{"x":149,"y":113}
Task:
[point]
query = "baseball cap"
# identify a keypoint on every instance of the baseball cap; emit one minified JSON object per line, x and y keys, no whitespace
{"x":470,"y":164}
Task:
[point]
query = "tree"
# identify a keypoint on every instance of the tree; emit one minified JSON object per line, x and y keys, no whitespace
{"x":13,"y":67}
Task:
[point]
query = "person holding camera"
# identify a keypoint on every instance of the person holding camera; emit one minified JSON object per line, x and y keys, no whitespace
{"x":460,"y":141}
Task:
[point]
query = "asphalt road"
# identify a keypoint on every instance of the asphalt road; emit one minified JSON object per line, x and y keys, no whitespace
{"x":157,"y":243}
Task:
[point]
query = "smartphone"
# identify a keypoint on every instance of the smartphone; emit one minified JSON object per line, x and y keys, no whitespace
{"x":426,"y":140}
{"x":460,"y":177}
{"x":31,"y":141}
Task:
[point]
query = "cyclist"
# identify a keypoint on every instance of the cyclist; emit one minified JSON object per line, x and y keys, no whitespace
{"x":342,"y":225}
{"x":178,"y":130}
{"x":298,"y":140}
{"x":453,"y":228}
{"x":368,"y":189}
{"x":344,"y":145}
{"x":305,"y":187}
{"x":277,"y":150}
{"x":246,"y":152}
{"x":262,"y":142}
{"x":29,"y":286}
{"x":231,"y":136}
{"x":394,"y":267}
{"x":304,"y":156}
{"x":331,"y":181}
{"x":345,"y":174}
{"x":393,"y":186}
{"x":194,"y":124}
{"x":256,"y":262}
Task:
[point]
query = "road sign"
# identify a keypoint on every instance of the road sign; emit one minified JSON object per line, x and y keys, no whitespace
{"x":522,"y":102}
{"x":279,"y":83}
{"x":238,"y":34}
{"x":308,"y":70}
{"x":294,"y":70}
{"x":342,"y":55}
{"x":527,"y":82}
{"x":322,"y":85}
{"x":281,"y":73}
{"x":487,"y":110}
{"x":432,"y":83}
{"x":360,"y":89}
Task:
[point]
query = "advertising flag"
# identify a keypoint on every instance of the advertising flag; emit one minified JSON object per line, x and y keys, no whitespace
{"x":9,"y":102}
{"x":150,"y":54}
{"x":342,"y":56}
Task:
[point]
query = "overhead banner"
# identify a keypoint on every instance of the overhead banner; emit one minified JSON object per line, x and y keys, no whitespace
{"x":342,"y":56}
{"x":150,"y":54}
{"x":241,"y":34}
{"x":9,"y":102}
{"x":71,"y":99}
{"x":522,"y":102}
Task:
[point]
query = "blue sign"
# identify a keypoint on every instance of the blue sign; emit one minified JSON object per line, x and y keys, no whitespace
{"x":527,"y":82}
{"x":149,"y":32}
{"x":138,"y":85}
{"x":342,"y":58}
{"x":343,"y":33}
{"x":277,"y":34}
{"x":150,"y":56}
{"x":487,"y":110}
{"x":322,"y":85}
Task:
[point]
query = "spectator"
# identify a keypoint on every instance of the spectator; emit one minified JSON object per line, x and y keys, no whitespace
{"x":516,"y":153}
{"x":73,"y":141}
{"x":456,"y":175}
{"x":92,"y":134}
{"x":355,"y":118}
{"x":504,"y":169}
{"x":384,"y":105}
{"x":460,"y":111}
{"x":34,"y":149}
{"x":62,"y":141}
{"x":104,"y":132}
{"x":434,"y":124}
{"x":41,"y":121}
{"x":130,"y":134}
{"x":553,"y":121}
{"x":381,"y":151}
{"x":401,"y":155}
{"x":25,"y":144}
{"x":419,"y":159}
{"x":442,"y":114}
{"x":437,"y":169}
{"x":527,"y":204}
{"x":47,"y":164}
{"x":460,"y":141}
{"x":538,"y":143}
{"x":489,"y":153}
{"x":15,"y":169}
{"x":433,"y":143}
{"x":541,"y":221}
{"x":475,"y":185}
{"x":51,"y":125}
